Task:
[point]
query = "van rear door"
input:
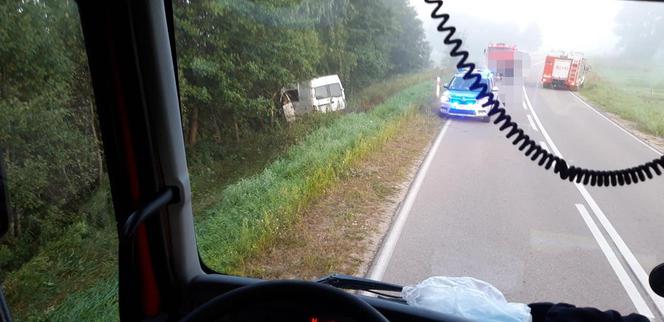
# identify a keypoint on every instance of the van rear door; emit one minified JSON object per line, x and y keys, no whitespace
{"x":337,"y":101}
{"x":322,"y":97}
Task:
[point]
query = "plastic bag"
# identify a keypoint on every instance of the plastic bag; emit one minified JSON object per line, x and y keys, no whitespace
{"x":465,"y":297}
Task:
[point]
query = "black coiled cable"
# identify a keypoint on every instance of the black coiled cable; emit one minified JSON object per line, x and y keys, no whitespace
{"x":601,"y":178}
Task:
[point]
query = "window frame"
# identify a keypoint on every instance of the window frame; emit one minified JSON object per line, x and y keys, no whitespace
{"x":133,"y":67}
{"x":341,"y":90}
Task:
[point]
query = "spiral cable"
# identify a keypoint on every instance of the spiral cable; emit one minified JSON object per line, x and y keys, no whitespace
{"x":523,"y":142}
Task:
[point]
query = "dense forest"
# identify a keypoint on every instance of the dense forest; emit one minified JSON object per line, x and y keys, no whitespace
{"x":233,"y":59}
{"x":236,"y":55}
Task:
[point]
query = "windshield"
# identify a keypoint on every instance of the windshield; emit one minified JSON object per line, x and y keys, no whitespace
{"x":58,"y":262}
{"x":460,"y":84}
{"x":335,"y":90}
{"x":319,"y":195}
{"x":390,"y":178}
{"x":322,"y":91}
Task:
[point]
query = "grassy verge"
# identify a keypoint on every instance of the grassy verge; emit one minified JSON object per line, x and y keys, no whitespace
{"x":214,"y":167}
{"x":379,"y":92}
{"x":74,"y":278}
{"x":254,"y":210}
{"x":627,"y":100}
{"x":48,"y":284}
{"x":351,"y":217}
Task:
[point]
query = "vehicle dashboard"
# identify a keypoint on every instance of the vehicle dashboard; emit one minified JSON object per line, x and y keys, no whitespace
{"x":205,"y":287}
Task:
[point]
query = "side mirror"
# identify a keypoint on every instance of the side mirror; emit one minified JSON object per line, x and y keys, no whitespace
{"x":446,"y":86}
{"x":494,"y":89}
{"x":4,"y":199}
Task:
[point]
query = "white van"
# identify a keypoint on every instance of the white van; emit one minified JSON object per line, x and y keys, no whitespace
{"x":323,"y":94}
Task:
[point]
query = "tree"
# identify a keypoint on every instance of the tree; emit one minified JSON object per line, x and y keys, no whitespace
{"x":410,"y":49}
{"x":640,"y":28}
{"x":45,"y":116}
{"x":234,"y":59}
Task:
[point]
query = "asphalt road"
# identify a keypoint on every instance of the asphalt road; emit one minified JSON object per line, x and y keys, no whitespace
{"x":479,"y":208}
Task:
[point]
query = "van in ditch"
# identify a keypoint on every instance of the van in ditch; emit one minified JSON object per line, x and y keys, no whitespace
{"x":322,"y":94}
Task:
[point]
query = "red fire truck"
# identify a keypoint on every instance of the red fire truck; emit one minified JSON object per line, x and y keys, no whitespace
{"x":564,"y":70}
{"x":500,"y":58}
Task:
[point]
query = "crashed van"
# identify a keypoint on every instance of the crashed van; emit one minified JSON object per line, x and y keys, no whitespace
{"x":322,"y":94}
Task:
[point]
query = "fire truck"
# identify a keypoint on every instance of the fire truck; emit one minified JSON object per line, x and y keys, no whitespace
{"x":500,"y":59}
{"x":564,"y":70}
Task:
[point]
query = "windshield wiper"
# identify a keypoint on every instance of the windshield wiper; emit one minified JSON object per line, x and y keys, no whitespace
{"x":349,"y":282}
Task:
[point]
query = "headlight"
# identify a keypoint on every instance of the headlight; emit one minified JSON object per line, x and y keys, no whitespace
{"x":445,"y":97}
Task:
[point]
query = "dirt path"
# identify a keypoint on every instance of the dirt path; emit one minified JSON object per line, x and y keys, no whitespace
{"x":341,"y":231}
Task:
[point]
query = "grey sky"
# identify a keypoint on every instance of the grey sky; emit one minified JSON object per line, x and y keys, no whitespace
{"x":586,"y":25}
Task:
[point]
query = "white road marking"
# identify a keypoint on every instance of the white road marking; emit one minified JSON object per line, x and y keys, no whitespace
{"x":631,"y":260}
{"x":385,"y":254}
{"x":532,"y":124}
{"x":624,"y":250}
{"x":543,"y":145}
{"x":524,"y":105}
{"x":634,"y":265}
{"x":617,"y":125}
{"x":610,"y":255}
{"x":539,"y":123}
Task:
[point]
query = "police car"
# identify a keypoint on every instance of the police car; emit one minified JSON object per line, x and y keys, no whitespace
{"x":459,"y":100}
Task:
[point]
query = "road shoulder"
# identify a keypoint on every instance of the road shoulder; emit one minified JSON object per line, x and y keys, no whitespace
{"x":351,"y":218}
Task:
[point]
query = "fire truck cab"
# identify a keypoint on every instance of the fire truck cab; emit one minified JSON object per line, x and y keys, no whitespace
{"x":500,"y":59}
{"x":564,"y":70}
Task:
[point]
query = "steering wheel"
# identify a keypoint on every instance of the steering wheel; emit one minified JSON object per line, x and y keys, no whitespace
{"x":296,"y":294}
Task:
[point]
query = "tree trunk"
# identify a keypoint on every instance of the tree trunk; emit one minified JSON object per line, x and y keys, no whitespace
{"x":16,"y":224}
{"x":217,"y":133}
{"x":261,"y":122}
{"x":13,"y":226}
{"x":98,"y":146}
{"x":237,"y":131}
{"x":272,"y":107}
{"x":192,"y":136}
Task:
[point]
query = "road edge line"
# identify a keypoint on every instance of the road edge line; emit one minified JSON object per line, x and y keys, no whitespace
{"x":388,"y":244}
{"x":548,"y":139}
{"x":615,"y":264}
{"x":650,"y":147}
{"x":599,"y":214}
{"x":624,"y":250}
{"x":532,"y":124}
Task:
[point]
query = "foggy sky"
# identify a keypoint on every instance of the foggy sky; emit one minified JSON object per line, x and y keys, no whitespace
{"x":595,"y":27}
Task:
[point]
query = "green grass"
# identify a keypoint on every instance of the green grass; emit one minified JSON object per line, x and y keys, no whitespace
{"x":633,"y":103}
{"x":213,"y":170}
{"x":74,"y":278}
{"x":378,"y":92}
{"x":629,"y":74}
{"x":97,"y":303}
{"x":73,"y":264}
{"x":254,"y":210}
{"x":214,"y":166}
